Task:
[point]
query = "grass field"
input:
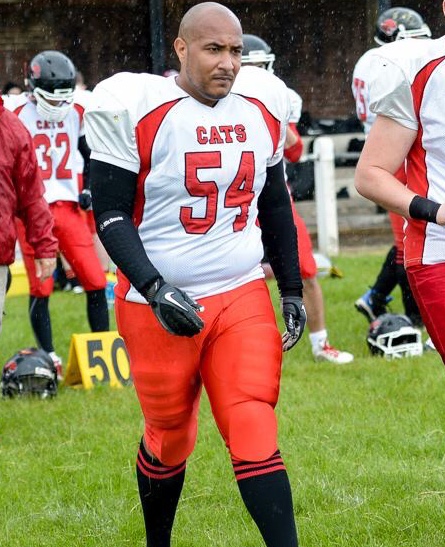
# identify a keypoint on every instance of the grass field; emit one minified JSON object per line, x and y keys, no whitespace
{"x":364,"y":446}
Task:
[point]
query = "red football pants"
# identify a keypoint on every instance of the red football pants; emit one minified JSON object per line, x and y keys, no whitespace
{"x":237,"y":357}
{"x":427,"y":284}
{"x":308,"y":266}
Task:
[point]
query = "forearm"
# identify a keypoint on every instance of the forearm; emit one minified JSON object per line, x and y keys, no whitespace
{"x":381,"y":187}
{"x":279,"y":233}
{"x":113,"y":191}
{"x":121,"y":240}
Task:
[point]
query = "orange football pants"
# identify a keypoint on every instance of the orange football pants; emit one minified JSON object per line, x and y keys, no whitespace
{"x":236,"y":357}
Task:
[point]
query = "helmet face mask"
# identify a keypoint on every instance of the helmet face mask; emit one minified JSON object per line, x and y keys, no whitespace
{"x":30,"y":372}
{"x":52,"y":80}
{"x":399,"y":23}
{"x":257,"y":52}
{"x":53,"y":107}
{"x":393,"y":336}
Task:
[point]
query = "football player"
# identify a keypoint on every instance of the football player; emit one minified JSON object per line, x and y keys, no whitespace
{"x":406,"y":94}
{"x":56,"y":126}
{"x":182,"y":169}
{"x":257,"y":52}
{"x":397,"y":23}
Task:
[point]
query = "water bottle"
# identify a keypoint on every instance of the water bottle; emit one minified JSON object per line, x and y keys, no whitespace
{"x":109,"y":292}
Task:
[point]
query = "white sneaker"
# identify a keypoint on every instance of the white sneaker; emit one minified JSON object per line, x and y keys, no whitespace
{"x":333,"y":355}
{"x":429,"y":345}
{"x":58,"y":365}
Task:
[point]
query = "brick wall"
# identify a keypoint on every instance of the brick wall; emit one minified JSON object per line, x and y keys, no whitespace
{"x":317,"y":42}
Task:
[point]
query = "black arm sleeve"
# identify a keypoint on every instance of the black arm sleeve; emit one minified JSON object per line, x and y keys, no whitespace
{"x":113,"y":191}
{"x":85,"y":151}
{"x":279,"y":233}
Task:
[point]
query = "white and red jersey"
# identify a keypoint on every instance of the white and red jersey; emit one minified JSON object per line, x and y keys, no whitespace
{"x":407,"y":86}
{"x":360,"y":89}
{"x":200,"y":172}
{"x":296,"y":104}
{"x":55,"y":144}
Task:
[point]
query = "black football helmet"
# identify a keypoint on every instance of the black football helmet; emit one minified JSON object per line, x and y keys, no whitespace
{"x":393,"y":336}
{"x":398,"y":23}
{"x":52,"y":77}
{"x":257,"y":52}
{"x":30,"y":371}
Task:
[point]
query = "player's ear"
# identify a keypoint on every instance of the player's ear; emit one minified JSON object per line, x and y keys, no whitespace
{"x":181,"y":48}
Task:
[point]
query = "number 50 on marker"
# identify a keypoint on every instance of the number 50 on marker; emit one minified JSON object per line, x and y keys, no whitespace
{"x":97,"y":358}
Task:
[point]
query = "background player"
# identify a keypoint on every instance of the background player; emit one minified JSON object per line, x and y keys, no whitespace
{"x":406,"y":91}
{"x":182,"y":169}
{"x":56,"y":125}
{"x":396,"y":23}
{"x":257,"y":52}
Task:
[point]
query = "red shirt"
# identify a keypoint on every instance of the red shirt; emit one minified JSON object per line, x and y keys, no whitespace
{"x":21,"y":192}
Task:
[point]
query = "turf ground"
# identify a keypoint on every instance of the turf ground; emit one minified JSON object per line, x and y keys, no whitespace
{"x":363,"y":443}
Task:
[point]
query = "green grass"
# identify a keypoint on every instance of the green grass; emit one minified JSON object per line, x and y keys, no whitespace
{"x":363,"y":443}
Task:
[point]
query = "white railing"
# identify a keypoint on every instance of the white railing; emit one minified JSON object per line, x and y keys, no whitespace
{"x":324,"y":158}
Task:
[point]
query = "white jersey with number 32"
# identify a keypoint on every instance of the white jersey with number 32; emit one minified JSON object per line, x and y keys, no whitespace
{"x":55,"y":144}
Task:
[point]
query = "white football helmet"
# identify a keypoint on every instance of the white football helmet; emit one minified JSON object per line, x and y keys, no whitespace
{"x":398,"y":23}
{"x":257,"y":52}
{"x":393,"y":336}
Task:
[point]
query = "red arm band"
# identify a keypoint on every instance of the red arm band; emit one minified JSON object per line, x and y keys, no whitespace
{"x":293,"y":153}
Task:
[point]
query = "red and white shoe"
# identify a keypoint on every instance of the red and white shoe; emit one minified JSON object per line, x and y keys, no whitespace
{"x":58,"y":365}
{"x":327,"y":352}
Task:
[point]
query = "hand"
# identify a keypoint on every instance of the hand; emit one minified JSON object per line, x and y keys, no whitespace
{"x":85,"y":199}
{"x":44,"y":268}
{"x":174,"y":309}
{"x":294,"y":315}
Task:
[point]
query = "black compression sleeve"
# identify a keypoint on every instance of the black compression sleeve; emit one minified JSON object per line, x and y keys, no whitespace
{"x":113,"y":190}
{"x":279,"y":233}
{"x":423,"y":209}
{"x":85,"y":151}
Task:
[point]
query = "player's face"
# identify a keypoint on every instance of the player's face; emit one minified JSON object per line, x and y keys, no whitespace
{"x":210,"y":61}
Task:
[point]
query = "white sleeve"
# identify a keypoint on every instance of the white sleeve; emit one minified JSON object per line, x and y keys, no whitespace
{"x":109,"y":129}
{"x":296,"y":104}
{"x":272,"y":92}
{"x":390,"y":92}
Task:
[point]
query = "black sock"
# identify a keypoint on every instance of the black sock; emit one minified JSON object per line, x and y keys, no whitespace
{"x":267,"y":495}
{"x":387,"y":278}
{"x":409,"y":304}
{"x":97,"y":311}
{"x":41,"y":322}
{"x":159,"y":489}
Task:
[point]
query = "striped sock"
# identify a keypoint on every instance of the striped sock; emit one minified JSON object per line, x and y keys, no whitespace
{"x":266,"y":492}
{"x":159,"y":490}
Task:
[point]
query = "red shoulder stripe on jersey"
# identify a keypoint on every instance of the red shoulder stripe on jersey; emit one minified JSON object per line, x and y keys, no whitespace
{"x":416,"y":170}
{"x":80,"y":110}
{"x":19,"y":109}
{"x":273,"y":124}
{"x":420,"y":81}
{"x":146,"y":131}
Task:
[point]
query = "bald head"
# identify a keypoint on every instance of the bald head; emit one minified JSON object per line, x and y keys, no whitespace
{"x":201,"y":15}
{"x":209,"y":47}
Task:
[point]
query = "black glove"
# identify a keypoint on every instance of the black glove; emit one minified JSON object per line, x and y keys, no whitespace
{"x":174,"y":309}
{"x":294,"y":315}
{"x":85,"y":199}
